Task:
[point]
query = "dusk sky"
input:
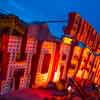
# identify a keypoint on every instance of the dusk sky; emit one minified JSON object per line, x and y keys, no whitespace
{"x":43,"y":10}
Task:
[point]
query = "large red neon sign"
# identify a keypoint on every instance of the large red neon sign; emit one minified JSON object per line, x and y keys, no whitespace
{"x":52,"y":58}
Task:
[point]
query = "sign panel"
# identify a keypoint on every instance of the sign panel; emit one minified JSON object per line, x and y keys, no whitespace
{"x":81,"y":30}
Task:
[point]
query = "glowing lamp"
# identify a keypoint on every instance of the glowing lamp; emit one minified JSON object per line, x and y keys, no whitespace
{"x":69,"y":88}
{"x":67,"y":40}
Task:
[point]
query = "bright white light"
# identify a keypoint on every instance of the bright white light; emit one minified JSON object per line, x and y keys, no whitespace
{"x":69,"y":88}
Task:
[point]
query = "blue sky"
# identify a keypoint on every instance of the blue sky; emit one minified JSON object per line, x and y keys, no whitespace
{"x":42,"y":10}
